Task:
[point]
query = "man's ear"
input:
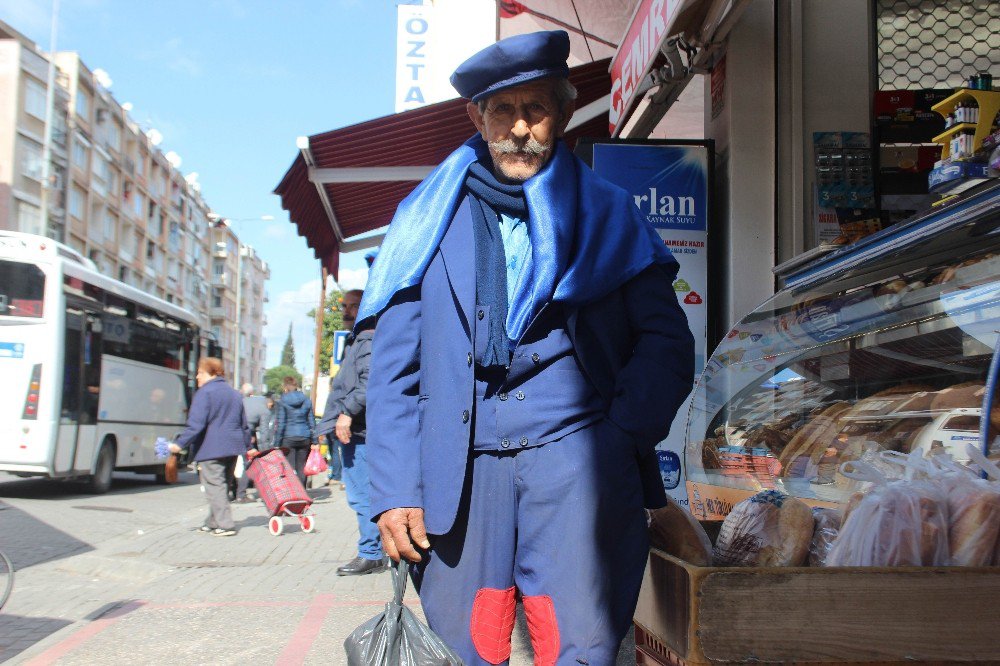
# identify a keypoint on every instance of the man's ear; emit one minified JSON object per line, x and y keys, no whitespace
{"x":567,"y":114}
{"x":477,"y":118}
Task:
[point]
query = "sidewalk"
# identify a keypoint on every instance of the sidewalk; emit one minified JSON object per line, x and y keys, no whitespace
{"x":167,"y":593}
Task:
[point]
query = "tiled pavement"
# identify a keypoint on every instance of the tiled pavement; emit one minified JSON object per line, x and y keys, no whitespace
{"x":123,"y":579}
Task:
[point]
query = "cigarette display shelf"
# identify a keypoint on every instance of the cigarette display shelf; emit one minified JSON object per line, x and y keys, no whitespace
{"x":989,"y":106}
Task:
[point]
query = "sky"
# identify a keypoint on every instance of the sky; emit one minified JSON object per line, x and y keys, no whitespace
{"x":230,"y":84}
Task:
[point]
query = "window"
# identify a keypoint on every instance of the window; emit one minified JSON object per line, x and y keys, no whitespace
{"x":31,"y":160}
{"x":144,"y":335}
{"x":22,"y":288}
{"x":114,"y":137}
{"x":77,"y":197}
{"x":174,"y":239}
{"x":218,"y":266}
{"x":110,"y":225}
{"x":29,"y":218}
{"x":34,"y":99}
{"x":138,"y":203}
{"x":216,"y":297}
{"x":83,"y":105}
{"x":101,"y":177}
{"x":80,"y":155}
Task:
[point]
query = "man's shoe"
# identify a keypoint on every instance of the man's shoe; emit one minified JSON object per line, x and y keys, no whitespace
{"x":218,"y":531}
{"x":359,"y":566}
{"x":244,"y":500}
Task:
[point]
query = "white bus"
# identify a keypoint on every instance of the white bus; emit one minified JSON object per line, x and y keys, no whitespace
{"x":92,"y":371}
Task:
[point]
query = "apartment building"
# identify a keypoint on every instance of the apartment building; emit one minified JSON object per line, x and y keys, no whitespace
{"x":236,"y":307}
{"x":114,"y":196}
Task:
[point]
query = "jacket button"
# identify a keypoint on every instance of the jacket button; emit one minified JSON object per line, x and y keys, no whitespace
{"x":519,"y":395}
{"x":502,"y":396}
{"x":465,"y":416}
{"x":480,"y":315}
{"x":468,"y":359}
{"x":524,"y":441}
{"x":535,"y":357}
{"x":505,"y":443}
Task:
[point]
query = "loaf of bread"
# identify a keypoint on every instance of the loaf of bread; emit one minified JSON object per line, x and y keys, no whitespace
{"x":674,"y":530}
{"x":815,"y":436}
{"x":966,"y":394}
{"x":973,"y":522}
{"x":769,"y":529}
{"x":901,"y":523}
{"x":825,"y":533}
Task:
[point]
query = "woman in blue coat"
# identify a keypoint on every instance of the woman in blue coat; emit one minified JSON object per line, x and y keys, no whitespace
{"x":216,"y":433}
{"x":295,"y":427}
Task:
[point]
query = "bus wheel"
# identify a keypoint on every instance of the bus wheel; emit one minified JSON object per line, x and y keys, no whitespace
{"x":100,"y":482}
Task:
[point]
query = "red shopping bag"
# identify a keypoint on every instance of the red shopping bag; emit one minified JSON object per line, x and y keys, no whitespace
{"x":315,"y":463}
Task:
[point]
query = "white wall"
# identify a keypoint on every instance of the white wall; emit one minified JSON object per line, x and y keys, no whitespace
{"x":745,"y":163}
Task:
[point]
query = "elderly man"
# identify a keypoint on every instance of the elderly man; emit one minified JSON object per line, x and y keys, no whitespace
{"x":529,"y":355}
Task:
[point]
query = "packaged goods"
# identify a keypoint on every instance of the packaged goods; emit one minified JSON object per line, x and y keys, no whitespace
{"x":827,"y":527}
{"x":973,"y":522}
{"x":769,"y":529}
{"x":815,"y":435}
{"x":675,"y":531}
{"x":896,"y":523}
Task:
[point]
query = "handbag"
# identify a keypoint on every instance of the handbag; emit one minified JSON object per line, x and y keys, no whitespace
{"x":315,"y":463}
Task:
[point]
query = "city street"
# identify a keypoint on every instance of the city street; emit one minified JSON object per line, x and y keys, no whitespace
{"x":123,"y":578}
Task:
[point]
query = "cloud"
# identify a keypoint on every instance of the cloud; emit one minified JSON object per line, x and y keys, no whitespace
{"x":278,"y":231}
{"x":293,"y":306}
{"x":175,"y":56}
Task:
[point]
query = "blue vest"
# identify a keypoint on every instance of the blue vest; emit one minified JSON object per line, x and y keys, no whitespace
{"x":542,"y":397}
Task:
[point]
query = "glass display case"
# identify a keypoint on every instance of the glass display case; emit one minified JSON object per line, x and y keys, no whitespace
{"x":885,"y":345}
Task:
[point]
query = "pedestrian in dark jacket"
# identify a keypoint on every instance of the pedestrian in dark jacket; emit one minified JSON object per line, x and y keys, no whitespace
{"x":216,"y":433}
{"x":344,"y":419}
{"x":257,"y":413}
{"x":296,"y":426}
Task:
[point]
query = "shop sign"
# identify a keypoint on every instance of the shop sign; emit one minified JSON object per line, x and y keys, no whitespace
{"x":638,"y":49}
{"x":718,"y":87}
{"x":669,"y":185}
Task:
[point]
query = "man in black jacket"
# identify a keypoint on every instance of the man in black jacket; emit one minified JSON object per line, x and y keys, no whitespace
{"x":344,"y":416}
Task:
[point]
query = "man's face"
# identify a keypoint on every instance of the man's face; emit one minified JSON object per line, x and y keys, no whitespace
{"x":521,"y":125}
{"x":349,"y":308}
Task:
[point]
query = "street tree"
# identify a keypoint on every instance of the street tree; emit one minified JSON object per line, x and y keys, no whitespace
{"x":333,"y":320}
{"x":274,"y":376}
{"x":288,"y":351}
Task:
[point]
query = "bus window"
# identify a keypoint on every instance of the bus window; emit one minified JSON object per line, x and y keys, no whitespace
{"x":22,"y":287}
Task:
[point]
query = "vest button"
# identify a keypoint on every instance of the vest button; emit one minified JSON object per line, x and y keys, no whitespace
{"x":505,"y":443}
{"x":465,"y":416}
{"x":480,"y":315}
{"x":519,"y":395}
{"x":536,"y":358}
{"x":502,"y":396}
{"x":524,"y":441}
{"x":468,"y":359}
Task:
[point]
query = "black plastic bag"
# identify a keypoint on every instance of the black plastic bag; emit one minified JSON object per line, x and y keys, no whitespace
{"x":396,"y":637}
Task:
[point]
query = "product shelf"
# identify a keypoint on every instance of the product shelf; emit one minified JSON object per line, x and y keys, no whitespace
{"x":946,"y":135}
{"x":989,"y":105}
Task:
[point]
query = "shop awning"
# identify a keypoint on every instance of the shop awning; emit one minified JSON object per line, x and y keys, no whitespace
{"x":347,"y":182}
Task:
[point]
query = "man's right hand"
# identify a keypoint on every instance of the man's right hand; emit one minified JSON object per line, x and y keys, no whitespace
{"x":402,"y":528}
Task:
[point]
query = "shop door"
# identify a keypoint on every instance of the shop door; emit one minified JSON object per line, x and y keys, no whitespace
{"x":80,"y":389}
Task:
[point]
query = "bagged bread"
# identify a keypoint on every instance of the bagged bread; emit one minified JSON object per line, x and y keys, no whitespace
{"x":769,"y":529}
{"x":896,"y":523}
{"x":827,"y":527}
{"x":816,"y":435}
{"x":973,"y":522}
{"x":674,"y":530}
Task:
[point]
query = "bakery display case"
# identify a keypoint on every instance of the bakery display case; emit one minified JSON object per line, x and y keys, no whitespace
{"x":884,"y":345}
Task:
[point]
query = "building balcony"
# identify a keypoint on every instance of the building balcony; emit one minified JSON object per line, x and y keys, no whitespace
{"x":217,"y":312}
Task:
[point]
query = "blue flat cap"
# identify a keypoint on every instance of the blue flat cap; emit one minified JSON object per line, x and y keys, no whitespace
{"x":512,"y":62}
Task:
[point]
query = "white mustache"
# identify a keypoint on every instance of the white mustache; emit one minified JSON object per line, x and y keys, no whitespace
{"x":509,"y":146}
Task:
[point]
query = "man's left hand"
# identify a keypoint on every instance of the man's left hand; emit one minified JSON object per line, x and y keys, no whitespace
{"x":343,"y":429}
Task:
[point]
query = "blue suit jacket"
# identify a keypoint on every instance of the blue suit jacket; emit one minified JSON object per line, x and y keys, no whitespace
{"x":217,"y":423}
{"x":634,"y":345}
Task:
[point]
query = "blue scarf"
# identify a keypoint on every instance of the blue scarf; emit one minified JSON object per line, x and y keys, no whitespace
{"x":587,"y":236}
{"x":490,"y":197}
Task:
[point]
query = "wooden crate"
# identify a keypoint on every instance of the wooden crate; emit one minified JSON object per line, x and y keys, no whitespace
{"x":710,"y":615}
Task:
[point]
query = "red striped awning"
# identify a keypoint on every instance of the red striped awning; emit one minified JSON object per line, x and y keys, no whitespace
{"x":419,"y":138}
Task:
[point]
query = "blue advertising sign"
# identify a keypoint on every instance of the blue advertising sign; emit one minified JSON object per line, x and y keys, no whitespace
{"x":11,"y":350}
{"x":669,"y":184}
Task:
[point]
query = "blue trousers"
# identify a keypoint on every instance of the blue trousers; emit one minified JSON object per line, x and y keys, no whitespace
{"x":563,"y":528}
{"x":336,"y":463}
{"x":357,"y":484}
